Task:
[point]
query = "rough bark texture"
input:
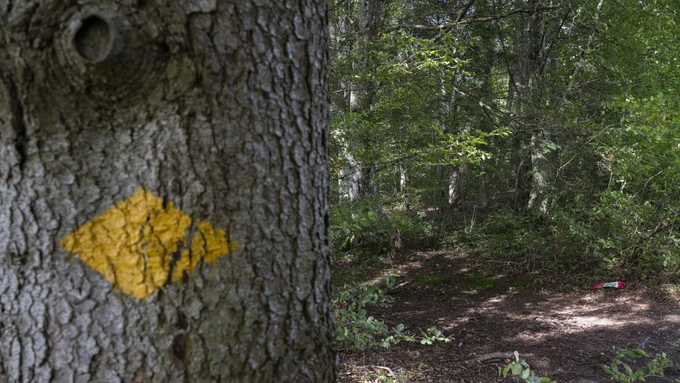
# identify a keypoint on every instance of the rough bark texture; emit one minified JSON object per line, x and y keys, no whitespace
{"x":218,"y":108}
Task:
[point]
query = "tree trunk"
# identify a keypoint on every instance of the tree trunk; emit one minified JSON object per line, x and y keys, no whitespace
{"x":349,"y":177}
{"x":340,"y":31}
{"x":541,"y":173}
{"x":163,"y":211}
{"x":454,"y":185}
{"x":403,"y":180}
{"x":367,"y":185}
{"x":362,"y":97}
{"x":525,"y":98}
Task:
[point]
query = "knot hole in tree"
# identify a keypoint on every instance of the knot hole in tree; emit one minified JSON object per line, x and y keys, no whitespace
{"x":119,"y":56}
{"x":94,"y":39}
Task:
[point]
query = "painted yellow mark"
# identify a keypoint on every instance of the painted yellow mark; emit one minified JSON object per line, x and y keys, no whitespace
{"x":132,"y":243}
{"x":208,"y":244}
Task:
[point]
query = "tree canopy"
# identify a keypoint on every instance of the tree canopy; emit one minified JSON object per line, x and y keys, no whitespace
{"x":554,"y":118}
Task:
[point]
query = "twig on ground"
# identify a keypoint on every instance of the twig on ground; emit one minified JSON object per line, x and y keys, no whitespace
{"x":388,"y":370}
{"x":496,"y":357}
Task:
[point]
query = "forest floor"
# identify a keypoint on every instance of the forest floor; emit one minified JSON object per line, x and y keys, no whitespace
{"x":560,"y":326}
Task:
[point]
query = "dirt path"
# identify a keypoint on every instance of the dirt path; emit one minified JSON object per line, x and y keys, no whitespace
{"x":567,"y":336}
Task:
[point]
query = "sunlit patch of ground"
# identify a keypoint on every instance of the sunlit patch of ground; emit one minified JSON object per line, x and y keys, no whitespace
{"x":564,"y":333}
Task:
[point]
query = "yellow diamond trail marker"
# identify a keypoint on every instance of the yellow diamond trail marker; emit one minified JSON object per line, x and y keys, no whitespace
{"x":132,"y":244}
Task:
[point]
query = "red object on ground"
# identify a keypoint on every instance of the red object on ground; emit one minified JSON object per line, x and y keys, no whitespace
{"x":615,"y":285}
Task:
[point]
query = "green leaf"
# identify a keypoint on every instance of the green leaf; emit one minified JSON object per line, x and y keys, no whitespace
{"x":516,"y":369}
{"x":525,"y":373}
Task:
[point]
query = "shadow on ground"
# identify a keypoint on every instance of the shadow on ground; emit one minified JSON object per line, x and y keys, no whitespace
{"x":566,"y":335}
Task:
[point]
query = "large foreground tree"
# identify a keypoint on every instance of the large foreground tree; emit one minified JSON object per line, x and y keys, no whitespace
{"x":163,"y":213}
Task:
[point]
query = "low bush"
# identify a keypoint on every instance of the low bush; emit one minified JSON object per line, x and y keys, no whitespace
{"x":357,"y":330}
{"x":636,"y":365}
{"x":369,"y":226}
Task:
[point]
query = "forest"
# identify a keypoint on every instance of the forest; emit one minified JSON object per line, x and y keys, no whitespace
{"x":339,"y":190}
{"x":492,"y":161}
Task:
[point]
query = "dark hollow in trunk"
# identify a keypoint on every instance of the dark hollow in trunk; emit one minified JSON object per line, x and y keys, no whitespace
{"x":163,"y":208}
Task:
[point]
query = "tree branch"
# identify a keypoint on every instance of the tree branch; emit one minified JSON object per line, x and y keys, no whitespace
{"x":464,"y":11}
{"x":459,"y":20}
{"x":379,"y":166}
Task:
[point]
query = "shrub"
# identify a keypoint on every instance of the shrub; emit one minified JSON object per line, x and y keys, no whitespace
{"x":629,"y":365}
{"x":519,"y":367}
{"x":366,"y":224}
{"x":357,"y":330}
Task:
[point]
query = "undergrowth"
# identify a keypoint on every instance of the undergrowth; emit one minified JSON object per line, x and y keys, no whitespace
{"x":636,"y":365}
{"x":358,"y":331}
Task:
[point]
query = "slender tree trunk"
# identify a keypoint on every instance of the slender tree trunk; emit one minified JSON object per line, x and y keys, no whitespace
{"x":482,"y":200}
{"x":454,"y":185}
{"x":163,"y":212}
{"x":350,"y":171}
{"x":542,"y":167}
{"x":448,"y":107}
{"x":367,"y":185}
{"x":541,"y":173}
{"x":349,"y":177}
{"x":525,"y":97}
{"x":362,"y":97}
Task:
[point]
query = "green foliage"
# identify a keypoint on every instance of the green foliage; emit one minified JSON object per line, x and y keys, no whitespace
{"x":357,"y":330}
{"x":589,"y":109}
{"x":459,"y":148}
{"x":630,"y":366}
{"x":366,"y":224}
{"x":520,"y":368}
{"x":533,"y":241}
{"x":632,"y":223}
{"x":627,"y":366}
{"x":385,"y":375}
{"x":354,"y":326}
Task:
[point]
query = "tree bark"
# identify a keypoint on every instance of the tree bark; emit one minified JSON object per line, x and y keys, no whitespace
{"x":163,"y":207}
{"x":526,"y":96}
{"x":341,"y":44}
{"x":362,"y":97}
{"x":542,"y":173}
{"x":455,"y":193}
{"x":349,"y":177}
